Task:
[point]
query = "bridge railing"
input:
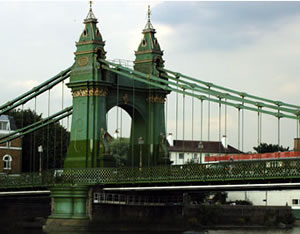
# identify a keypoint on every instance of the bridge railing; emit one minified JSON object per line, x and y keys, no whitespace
{"x":228,"y":171}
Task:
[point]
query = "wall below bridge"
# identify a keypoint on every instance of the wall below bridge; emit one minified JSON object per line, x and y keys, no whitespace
{"x":17,"y":212}
{"x":31,"y":211}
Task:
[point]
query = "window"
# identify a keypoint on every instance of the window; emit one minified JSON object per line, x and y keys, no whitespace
{"x":96,"y":197}
{"x":97,"y":32}
{"x":144,"y":43}
{"x":295,"y":201}
{"x":195,"y":156}
{"x":181,"y":155}
{"x":7,"y":159}
{"x":8,"y":144}
{"x":3,"y":125}
{"x":85,"y":33}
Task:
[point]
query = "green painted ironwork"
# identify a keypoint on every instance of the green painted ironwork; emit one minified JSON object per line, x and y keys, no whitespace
{"x":194,"y":90}
{"x":260,"y":170}
{"x":22,"y":99}
{"x":97,"y":90}
{"x":37,"y":125}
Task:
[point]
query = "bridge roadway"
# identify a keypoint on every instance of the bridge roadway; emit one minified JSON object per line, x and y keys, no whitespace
{"x":225,"y":173}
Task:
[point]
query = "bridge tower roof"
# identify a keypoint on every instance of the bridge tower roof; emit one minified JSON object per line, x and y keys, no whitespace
{"x":91,"y":38}
{"x":149,"y":54}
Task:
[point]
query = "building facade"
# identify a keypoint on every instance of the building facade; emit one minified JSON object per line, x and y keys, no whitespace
{"x":10,"y":152}
{"x":183,"y":152}
{"x":269,"y":198}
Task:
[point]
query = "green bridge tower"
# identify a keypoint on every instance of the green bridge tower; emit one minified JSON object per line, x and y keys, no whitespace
{"x":95,"y":91}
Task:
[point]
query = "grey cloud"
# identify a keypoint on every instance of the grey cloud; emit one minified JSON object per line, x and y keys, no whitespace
{"x":223,"y":25}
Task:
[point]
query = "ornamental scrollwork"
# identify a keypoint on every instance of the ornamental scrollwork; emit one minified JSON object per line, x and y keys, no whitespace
{"x":90,"y":92}
{"x":156,"y":99}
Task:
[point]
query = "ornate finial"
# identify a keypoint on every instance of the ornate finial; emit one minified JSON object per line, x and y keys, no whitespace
{"x":149,"y":25}
{"x":90,"y":14}
{"x":149,"y":13}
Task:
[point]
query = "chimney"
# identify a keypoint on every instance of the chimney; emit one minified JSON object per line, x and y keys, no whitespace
{"x":224,"y":141}
{"x":170,"y":139}
{"x":296,"y":144}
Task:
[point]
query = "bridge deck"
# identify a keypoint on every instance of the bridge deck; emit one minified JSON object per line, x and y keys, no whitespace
{"x":218,"y":173}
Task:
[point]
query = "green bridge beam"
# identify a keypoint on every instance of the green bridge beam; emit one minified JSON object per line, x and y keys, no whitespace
{"x":147,"y":79}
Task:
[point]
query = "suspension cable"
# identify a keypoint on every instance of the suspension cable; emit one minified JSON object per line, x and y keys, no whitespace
{"x":163,"y":84}
{"x":208,"y":120}
{"x":62,"y":124}
{"x":133,"y":123}
{"x":297,"y":129}
{"x":166,"y":117}
{"x":34,"y":135}
{"x":193,"y":117}
{"x":258,"y":127}
{"x":201,"y":124}
{"x":176,"y":113}
{"x":117,"y":103}
{"x":48,"y":130}
{"x":183,"y":119}
{"x":220,"y":121}
{"x":278,"y":131}
{"x":243,"y":127}
{"x":239,"y":123}
{"x":150,"y":124}
{"x":225,"y":130}
{"x":176,"y":125}
{"x":54,"y":150}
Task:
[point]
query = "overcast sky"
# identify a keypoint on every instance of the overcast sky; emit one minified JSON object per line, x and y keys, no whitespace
{"x":248,"y":46}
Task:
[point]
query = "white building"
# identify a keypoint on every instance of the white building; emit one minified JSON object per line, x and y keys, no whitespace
{"x":269,"y":198}
{"x":183,"y":152}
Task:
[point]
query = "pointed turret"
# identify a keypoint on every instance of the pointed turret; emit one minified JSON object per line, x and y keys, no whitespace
{"x":89,"y":93}
{"x":91,"y":38}
{"x":149,"y":55}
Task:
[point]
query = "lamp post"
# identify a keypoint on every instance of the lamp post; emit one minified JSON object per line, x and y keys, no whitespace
{"x":40,"y":150}
{"x":141,"y":142}
{"x":200,"y":147}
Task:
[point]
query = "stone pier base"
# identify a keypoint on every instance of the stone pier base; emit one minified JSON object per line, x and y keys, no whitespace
{"x":66,"y":225}
{"x":69,"y":208}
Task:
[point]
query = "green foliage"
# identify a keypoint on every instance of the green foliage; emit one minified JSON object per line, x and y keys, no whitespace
{"x":243,"y":203}
{"x":288,"y":218}
{"x":119,"y":149}
{"x":219,"y":198}
{"x":54,"y":139}
{"x":269,"y":148}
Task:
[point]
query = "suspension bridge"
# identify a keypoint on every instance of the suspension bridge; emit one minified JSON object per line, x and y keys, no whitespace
{"x":143,"y":92}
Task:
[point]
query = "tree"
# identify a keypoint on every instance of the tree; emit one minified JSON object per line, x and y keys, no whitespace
{"x":119,"y":150}
{"x":54,"y":138}
{"x":269,"y":148}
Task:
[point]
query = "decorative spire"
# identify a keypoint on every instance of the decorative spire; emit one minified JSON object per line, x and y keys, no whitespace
{"x":149,"y":26}
{"x":90,"y":15}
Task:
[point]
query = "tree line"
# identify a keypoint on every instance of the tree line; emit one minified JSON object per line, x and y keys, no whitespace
{"x":54,"y":139}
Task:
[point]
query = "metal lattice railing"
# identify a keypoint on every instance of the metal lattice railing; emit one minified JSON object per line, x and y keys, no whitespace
{"x":229,"y":171}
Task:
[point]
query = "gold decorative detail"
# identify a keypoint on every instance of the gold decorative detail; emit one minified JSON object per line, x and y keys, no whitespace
{"x":156,"y":99}
{"x":90,"y":92}
{"x":82,"y":61}
{"x":125,"y":98}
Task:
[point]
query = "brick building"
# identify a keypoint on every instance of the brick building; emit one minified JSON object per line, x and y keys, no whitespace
{"x":10,"y":152}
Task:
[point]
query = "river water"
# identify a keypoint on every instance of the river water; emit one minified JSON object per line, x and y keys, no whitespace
{"x":295,"y":230}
